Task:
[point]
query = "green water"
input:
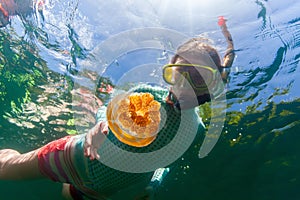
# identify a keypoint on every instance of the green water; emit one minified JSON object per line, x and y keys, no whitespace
{"x":260,"y":164}
{"x":257,"y":155}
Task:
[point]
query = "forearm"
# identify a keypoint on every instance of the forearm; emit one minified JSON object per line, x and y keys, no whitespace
{"x":229,"y":55}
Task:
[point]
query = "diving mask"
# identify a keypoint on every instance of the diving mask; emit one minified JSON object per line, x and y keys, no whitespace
{"x":199,"y":77}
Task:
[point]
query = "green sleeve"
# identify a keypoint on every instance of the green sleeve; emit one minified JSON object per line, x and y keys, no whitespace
{"x":159,"y":93}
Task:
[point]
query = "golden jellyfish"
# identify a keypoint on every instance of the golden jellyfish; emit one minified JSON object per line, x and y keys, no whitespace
{"x":134,"y":119}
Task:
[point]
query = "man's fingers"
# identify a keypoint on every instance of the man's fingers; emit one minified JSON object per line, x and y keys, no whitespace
{"x":93,"y":140}
{"x":94,"y":154}
{"x":87,"y":151}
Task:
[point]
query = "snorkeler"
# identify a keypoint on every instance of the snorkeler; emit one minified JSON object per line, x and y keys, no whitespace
{"x":74,"y":160}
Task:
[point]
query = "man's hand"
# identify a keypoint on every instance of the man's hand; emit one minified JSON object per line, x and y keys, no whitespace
{"x":221,"y":21}
{"x":93,"y":140}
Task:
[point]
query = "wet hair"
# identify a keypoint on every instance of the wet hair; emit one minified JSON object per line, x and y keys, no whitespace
{"x":197,"y":46}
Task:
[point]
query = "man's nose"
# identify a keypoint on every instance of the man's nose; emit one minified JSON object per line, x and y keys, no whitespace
{"x":183,"y":82}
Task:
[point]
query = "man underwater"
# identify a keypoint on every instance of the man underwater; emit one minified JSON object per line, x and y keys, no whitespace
{"x":73,"y":160}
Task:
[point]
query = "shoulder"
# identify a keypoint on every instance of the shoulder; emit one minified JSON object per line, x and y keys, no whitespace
{"x":158,"y":92}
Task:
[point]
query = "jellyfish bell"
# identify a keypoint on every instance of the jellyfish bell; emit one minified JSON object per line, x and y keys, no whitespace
{"x":134,"y":118}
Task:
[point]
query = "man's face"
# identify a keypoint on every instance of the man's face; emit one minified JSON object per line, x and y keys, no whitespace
{"x":186,"y":79}
{"x":186,"y":97}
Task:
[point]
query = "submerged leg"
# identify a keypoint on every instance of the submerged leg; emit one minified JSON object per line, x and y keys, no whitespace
{"x":16,"y":166}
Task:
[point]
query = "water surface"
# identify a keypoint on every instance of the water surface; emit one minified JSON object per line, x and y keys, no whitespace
{"x":45,"y":58}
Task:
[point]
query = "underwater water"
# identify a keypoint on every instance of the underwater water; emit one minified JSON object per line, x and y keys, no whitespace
{"x":52,"y":60}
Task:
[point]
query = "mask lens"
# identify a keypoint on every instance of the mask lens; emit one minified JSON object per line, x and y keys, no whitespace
{"x":198,"y":76}
{"x":169,"y":75}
